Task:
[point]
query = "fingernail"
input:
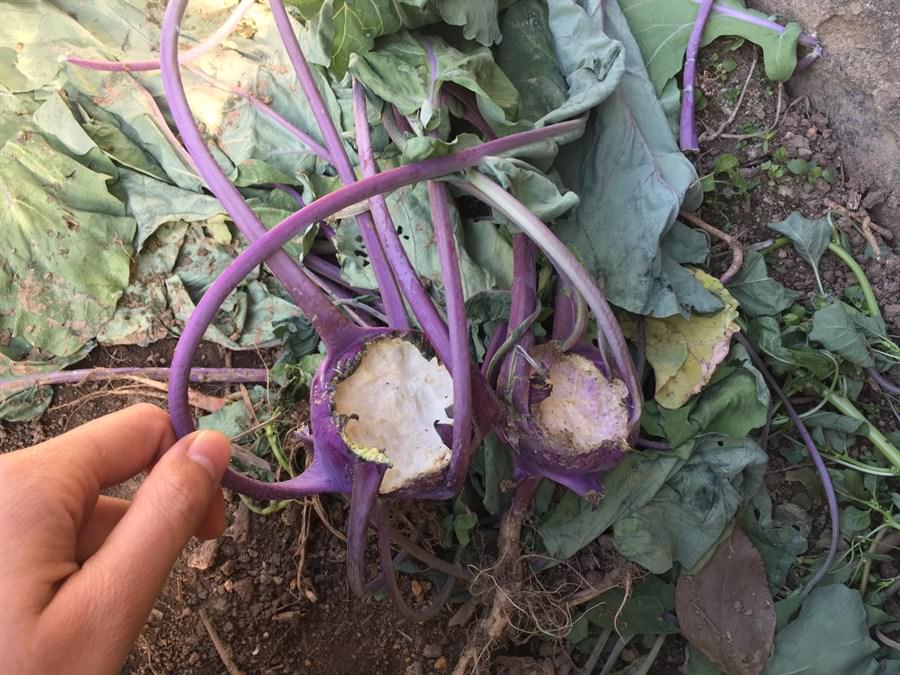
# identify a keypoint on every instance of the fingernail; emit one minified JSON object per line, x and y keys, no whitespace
{"x":203,"y":445}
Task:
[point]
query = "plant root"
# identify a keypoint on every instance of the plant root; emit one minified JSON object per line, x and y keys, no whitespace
{"x":737,"y":250}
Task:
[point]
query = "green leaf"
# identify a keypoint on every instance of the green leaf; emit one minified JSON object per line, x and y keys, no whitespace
{"x":575,"y":523}
{"x":798,"y":167}
{"x":810,"y":237}
{"x":779,"y":538}
{"x":829,"y":637}
{"x":663,"y":28}
{"x":734,"y":403}
{"x":756,"y":292}
{"x":641,"y":192}
{"x":833,"y":328}
{"x":531,"y":187}
{"x":726,"y":163}
{"x":641,"y":613}
{"x":689,"y":515}
{"x":66,"y":243}
{"x":766,"y":334}
{"x":411,"y":212}
{"x":478,"y":19}
{"x":399,"y":72}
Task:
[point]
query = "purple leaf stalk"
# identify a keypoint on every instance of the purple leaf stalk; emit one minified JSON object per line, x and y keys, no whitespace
{"x":381,"y":398}
{"x":689,"y":140}
{"x":816,"y":457}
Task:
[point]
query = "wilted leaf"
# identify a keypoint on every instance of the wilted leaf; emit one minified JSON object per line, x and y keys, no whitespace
{"x":833,"y":328}
{"x":810,"y":237}
{"x":779,"y":539}
{"x":478,"y":19}
{"x":756,"y":292}
{"x":726,"y":609}
{"x":695,"y":507}
{"x":829,"y":637}
{"x":66,"y":245}
{"x":628,"y":171}
{"x":662,"y":28}
{"x":685,"y":352}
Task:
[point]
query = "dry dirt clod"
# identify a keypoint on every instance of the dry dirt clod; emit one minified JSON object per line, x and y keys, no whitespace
{"x":204,"y":556}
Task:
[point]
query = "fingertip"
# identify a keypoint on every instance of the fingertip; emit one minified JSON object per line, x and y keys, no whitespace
{"x":211,"y":450}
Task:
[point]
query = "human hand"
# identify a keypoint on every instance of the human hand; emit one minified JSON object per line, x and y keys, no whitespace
{"x":79,"y":572}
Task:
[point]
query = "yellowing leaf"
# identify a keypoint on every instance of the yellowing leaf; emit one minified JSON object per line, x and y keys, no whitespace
{"x":684,"y":353}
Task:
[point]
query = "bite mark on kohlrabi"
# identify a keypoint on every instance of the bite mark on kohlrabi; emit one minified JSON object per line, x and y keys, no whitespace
{"x":584,"y":410}
{"x":388,"y":407}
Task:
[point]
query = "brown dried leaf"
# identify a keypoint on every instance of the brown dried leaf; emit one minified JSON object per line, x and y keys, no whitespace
{"x":726,"y":610}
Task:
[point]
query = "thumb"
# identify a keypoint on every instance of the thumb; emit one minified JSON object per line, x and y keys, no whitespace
{"x":128,"y":572}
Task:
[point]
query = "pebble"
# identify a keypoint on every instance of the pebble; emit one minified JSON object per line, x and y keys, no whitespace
{"x":441,"y":663}
{"x":432,"y":651}
{"x":244,"y":589}
{"x":193,"y":659}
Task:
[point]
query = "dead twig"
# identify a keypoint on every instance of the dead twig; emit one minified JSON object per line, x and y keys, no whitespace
{"x":865,"y":223}
{"x":737,"y":250}
{"x":707,"y":137}
{"x":222,"y":649}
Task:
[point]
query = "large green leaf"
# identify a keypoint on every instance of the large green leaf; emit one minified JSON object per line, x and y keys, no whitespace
{"x":478,"y":18}
{"x":631,"y":179}
{"x":574,"y":522}
{"x":66,"y":243}
{"x":829,"y":637}
{"x":560,"y":63}
{"x":662,"y":29}
{"x":689,"y":515}
{"x":734,"y":403}
{"x":756,"y":292}
{"x":834,"y":329}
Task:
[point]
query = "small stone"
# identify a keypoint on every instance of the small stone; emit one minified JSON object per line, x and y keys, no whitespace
{"x":193,"y":659}
{"x":432,"y":651}
{"x":204,"y":556}
{"x":811,"y":133}
{"x":228,"y":627}
{"x":155,"y":614}
{"x":873,"y":199}
{"x":229,"y":585}
{"x":244,"y":589}
{"x":441,"y":663}
{"x":416,"y":589}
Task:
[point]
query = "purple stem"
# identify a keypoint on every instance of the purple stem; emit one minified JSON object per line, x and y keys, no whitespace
{"x":805,"y":39}
{"x":191,"y":54}
{"x":422,"y":305}
{"x":570,"y":318}
{"x":328,"y":321}
{"x":460,"y":363}
{"x":689,"y":140}
{"x":93,"y":374}
{"x":390,"y":578}
{"x":471,"y":112}
{"x":816,"y":458}
{"x":522,"y":305}
{"x":483,"y":188}
{"x":401,"y":122}
{"x":291,"y":192}
{"x":322,"y":208}
{"x":367,"y":477}
{"x":497,"y":339}
{"x":387,"y":284}
{"x":314,"y":146}
{"x":883,"y":382}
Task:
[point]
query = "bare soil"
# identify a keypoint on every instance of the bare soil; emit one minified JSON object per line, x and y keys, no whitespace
{"x":275,"y":617}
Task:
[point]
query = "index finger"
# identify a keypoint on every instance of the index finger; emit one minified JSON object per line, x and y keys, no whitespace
{"x":113,"y":448}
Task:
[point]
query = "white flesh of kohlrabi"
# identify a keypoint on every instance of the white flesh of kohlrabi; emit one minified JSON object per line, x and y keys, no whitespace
{"x":392,"y":401}
{"x":584,"y":410}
